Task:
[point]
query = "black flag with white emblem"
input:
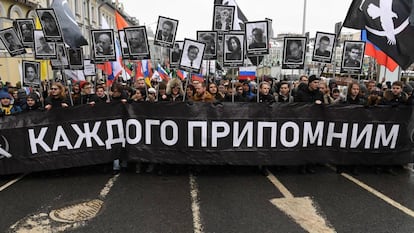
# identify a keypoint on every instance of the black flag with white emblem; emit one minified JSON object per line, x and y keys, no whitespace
{"x":388,"y":27}
{"x":71,"y":32}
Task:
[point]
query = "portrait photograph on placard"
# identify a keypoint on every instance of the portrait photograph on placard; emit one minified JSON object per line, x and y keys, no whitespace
{"x":124,"y":44}
{"x":294,"y":53}
{"x":75,"y":58}
{"x":103,"y":45}
{"x":31,"y":73}
{"x":166,"y":31}
{"x":192,"y":55}
{"x":233,"y":48}
{"x":223,"y":17}
{"x":352,"y":56}
{"x":62,"y":61}
{"x":257,"y":38}
{"x":43,"y":50}
{"x":50,"y":25}
{"x":324,"y":45}
{"x":175,"y":54}
{"x":12,"y":42}
{"x":25,"y":29}
{"x":137,"y":41}
{"x":210,"y":39}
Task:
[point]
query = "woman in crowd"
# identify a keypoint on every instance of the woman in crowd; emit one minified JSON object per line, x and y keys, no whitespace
{"x":174,"y":90}
{"x":189,"y":92}
{"x":57,"y":97}
{"x":76,"y":93}
{"x":323,"y":87}
{"x":162,"y":92}
{"x":354,"y":96}
{"x":139,"y":95}
{"x":374,"y":97}
{"x":213,"y":90}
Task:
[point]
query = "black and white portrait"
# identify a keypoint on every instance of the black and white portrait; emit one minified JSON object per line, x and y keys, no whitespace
{"x":124,"y":44}
{"x":75,"y":58}
{"x":192,"y":55}
{"x":50,"y":25}
{"x":166,"y":31}
{"x":210,"y":39}
{"x":233,"y":49}
{"x":43,"y":49}
{"x":61,"y":62}
{"x":257,"y":38}
{"x":26,"y":28}
{"x":175,"y":54}
{"x":223,"y":18}
{"x":294,"y":52}
{"x":104,"y":45}
{"x":137,"y":42}
{"x":12,"y":42}
{"x":352,"y":56}
{"x":31,"y":73}
{"x":324,"y":44}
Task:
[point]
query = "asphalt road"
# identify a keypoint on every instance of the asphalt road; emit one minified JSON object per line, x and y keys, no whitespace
{"x":216,"y":199}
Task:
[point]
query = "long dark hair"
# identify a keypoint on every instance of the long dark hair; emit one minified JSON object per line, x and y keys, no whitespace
{"x":237,"y":42}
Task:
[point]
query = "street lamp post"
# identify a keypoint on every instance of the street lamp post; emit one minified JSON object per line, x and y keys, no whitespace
{"x":304,"y":17}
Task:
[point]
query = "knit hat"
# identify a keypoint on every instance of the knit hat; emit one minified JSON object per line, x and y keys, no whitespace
{"x":313,"y":78}
{"x":5,"y":94}
{"x":152,"y":90}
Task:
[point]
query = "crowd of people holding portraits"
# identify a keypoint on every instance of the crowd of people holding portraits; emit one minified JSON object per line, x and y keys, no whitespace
{"x":30,"y":97}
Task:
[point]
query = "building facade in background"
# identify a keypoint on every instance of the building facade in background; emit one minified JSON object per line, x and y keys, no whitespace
{"x":88,"y":16}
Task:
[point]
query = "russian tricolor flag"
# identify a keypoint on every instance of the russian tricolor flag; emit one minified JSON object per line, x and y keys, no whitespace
{"x":247,"y":73}
{"x":163,"y":73}
{"x":373,"y":51}
{"x":181,"y":74}
{"x":146,"y":68}
{"x":197,"y":77}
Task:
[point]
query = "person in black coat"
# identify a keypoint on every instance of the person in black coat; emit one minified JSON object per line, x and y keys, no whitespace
{"x":57,"y":97}
{"x":310,"y":93}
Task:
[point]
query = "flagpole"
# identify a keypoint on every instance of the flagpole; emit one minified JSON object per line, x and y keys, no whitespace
{"x":232,"y":85}
{"x":69,"y":86}
{"x":186,"y":86}
{"x":257,"y":81}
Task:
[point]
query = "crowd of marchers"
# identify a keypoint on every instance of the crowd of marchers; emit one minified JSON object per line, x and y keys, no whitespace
{"x":309,"y":89}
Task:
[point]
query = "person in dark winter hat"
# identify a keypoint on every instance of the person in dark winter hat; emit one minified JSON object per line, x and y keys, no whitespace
{"x":310,"y":93}
{"x":7,"y":108}
{"x":313,"y":78}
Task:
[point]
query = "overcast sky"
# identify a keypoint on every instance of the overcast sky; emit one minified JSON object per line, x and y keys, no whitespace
{"x":287,"y":15}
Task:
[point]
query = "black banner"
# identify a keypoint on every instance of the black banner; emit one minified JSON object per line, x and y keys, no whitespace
{"x":204,"y":133}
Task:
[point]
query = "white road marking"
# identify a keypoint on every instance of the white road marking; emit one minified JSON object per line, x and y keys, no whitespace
{"x":108,"y":186}
{"x":8,"y":184}
{"x":195,"y":205}
{"x":301,"y":209}
{"x":379,"y":195}
{"x":43,"y":222}
{"x":285,"y":192}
